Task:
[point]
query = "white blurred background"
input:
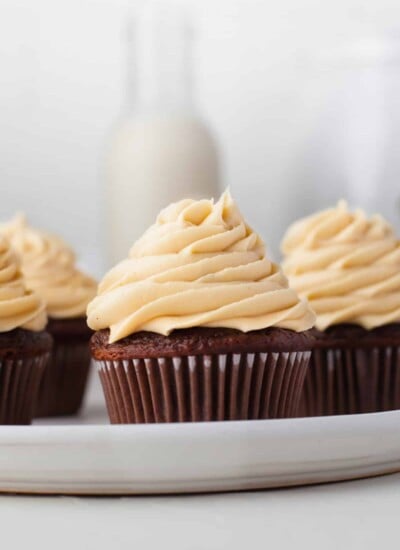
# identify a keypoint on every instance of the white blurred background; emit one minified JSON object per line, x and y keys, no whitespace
{"x":302,"y":97}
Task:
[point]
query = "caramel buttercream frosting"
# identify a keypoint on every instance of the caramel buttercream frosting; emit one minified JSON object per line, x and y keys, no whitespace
{"x":347,"y":265}
{"x":200,"y":264}
{"x":49,"y":268}
{"x":19,"y":307}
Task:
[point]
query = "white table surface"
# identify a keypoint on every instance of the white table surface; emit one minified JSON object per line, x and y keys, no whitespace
{"x":361,"y":514}
{"x":350,"y":515}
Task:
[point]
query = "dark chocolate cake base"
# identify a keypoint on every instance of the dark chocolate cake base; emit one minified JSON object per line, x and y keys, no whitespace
{"x":63,"y":385}
{"x":23,"y":358}
{"x":202,"y":374}
{"x":353,"y":370}
{"x":199,"y":341}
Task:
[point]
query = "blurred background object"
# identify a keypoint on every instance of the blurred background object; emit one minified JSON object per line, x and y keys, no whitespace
{"x":161,"y":151}
{"x":301,"y":97}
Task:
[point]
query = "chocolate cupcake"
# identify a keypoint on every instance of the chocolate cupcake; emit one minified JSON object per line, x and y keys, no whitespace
{"x":348,"y":266}
{"x":24,"y":344}
{"x":197,"y":324}
{"x":48,"y":265}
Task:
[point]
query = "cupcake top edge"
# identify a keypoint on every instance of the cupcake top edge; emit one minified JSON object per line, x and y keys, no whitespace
{"x":19,"y":307}
{"x":347,"y":264}
{"x":199,"y":265}
{"x":49,"y":268}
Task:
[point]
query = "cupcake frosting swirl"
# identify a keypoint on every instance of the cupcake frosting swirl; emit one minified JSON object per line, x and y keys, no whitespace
{"x":19,"y":308}
{"x":347,"y":265}
{"x":200,"y":264}
{"x":48,"y":265}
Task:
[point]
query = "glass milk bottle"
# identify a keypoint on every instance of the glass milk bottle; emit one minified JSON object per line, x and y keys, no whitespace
{"x":160,"y":151}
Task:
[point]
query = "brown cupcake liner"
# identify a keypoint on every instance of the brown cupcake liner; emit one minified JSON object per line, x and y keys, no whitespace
{"x":63,"y":385}
{"x":203,"y":387}
{"x":351,"y":381}
{"x":19,"y":386}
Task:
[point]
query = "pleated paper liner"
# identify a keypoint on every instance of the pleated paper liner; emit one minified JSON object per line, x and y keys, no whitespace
{"x":351,"y":381}
{"x":63,"y":385}
{"x":236,"y":386}
{"x":19,"y":385}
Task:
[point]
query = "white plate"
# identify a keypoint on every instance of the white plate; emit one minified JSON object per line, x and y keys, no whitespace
{"x":178,"y":458}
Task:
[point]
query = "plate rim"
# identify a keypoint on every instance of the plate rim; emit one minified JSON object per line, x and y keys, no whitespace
{"x":128,"y":466}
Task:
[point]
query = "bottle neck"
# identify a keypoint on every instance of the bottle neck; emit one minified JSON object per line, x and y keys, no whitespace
{"x":160,"y":60}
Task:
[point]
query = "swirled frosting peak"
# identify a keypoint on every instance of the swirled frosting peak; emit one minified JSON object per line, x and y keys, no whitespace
{"x":347,"y":265}
{"x":48,"y":265}
{"x":19,"y":308}
{"x":200,"y":264}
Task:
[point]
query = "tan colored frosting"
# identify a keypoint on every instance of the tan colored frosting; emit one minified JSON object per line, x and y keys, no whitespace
{"x":200,"y":264}
{"x":48,"y":265}
{"x":19,"y":308}
{"x":347,"y":265}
